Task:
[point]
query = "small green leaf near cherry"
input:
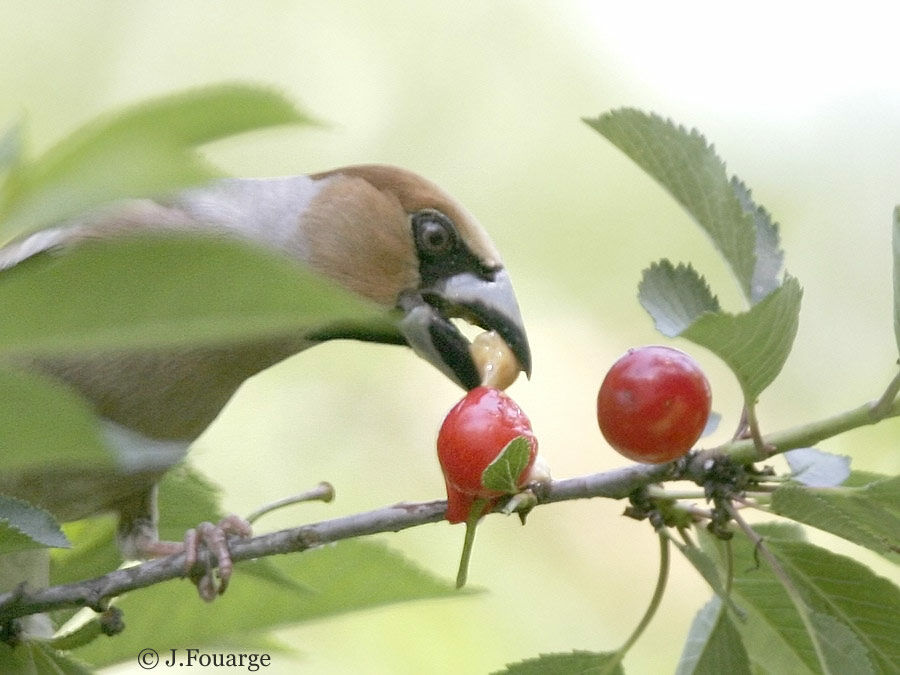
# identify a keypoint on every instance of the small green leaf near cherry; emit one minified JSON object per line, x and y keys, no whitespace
{"x":486,"y":449}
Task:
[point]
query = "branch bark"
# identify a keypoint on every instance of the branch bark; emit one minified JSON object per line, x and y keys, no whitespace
{"x":615,"y":484}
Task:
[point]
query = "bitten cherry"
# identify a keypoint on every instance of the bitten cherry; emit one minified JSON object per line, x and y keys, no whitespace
{"x":653,"y":404}
{"x":473,"y":434}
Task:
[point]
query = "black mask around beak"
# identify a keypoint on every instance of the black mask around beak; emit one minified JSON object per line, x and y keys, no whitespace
{"x":487,"y":301}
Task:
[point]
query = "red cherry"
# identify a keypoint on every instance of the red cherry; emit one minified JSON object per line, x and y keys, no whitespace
{"x":473,"y":434}
{"x":653,"y":404}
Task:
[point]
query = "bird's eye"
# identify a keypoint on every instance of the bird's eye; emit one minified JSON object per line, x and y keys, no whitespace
{"x":434,"y":233}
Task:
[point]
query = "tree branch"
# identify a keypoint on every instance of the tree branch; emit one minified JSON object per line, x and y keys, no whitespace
{"x":615,"y":484}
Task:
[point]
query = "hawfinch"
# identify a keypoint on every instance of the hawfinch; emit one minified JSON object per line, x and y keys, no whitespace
{"x":379,"y":231}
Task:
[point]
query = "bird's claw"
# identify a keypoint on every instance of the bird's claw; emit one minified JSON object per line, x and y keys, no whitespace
{"x":215,"y":539}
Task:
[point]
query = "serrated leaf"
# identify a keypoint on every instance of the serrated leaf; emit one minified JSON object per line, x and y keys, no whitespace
{"x":158,"y":291}
{"x":503,"y":473}
{"x":348,"y":576}
{"x":688,"y":167}
{"x":815,"y":468}
{"x":844,"y":653}
{"x":896,"y":242}
{"x":713,"y":644}
{"x":144,"y":150}
{"x":769,"y":256}
{"x":755,"y":344}
{"x":570,"y":663}
{"x":675,"y":297}
{"x":23,"y":526}
{"x":868,"y":515}
{"x":831,"y":584}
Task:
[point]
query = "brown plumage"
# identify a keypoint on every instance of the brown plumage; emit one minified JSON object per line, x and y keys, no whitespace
{"x":381,"y":232}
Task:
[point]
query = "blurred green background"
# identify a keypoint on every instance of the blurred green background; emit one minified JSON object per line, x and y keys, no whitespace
{"x":486,"y":100}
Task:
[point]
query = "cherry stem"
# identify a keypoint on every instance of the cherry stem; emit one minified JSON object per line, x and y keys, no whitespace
{"x":323,"y":492}
{"x":882,"y":407}
{"x":658,"y":592}
{"x":762,"y":450}
{"x":475,"y":513}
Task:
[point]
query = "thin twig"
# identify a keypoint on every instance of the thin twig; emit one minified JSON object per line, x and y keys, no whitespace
{"x":615,"y":484}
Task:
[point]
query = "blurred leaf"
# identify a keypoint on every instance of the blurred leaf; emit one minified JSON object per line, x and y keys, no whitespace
{"x":815,"y":468}
{"x":186,"y":498}
{"x":23,"y":526}
{"x":859,"y":478}
{"x":713,"y":644}
{"x":769,"y":256}
{"x":685,"y":165}
{"x":39,"y":658}
{"x":868,"y":515}
{"x":93,"y":552}
{"x":44,"y":423}
{"x":712,"y":424}
{"x":87,"y":632}
{"x":144,"y":150}
{"x":347,"y":576}
{"x":896,"y":241}
{"x":755,"y":343}
{"x":159,"y":291}
{"x":564,"y":664}
{"x":10,"y":147}
{"x":503,"y":473}
{"x":846,"y":591}
{"x":675,"y":297}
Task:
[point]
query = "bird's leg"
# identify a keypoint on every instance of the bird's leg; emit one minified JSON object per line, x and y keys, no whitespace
{"x":215,"y":538}
{"x":138,"y":538}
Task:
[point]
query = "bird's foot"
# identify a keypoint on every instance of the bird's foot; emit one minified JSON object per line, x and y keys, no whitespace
{"x":206,"y":535}
{"x":215,"y":539}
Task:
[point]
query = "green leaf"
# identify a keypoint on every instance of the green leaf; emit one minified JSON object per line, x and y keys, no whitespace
{"x":23,"y":526}
{"x":675,"y":297}
{"x":564,"y":664}
{"x":896,"y":241}
{"x":43,"y":423}
{"x":688,"y":167}
{"x":713,"y":644}
{"x":707,"y":568}
{"x":37,"y":657}
{"x":144,"y":150}
{"x":867,"y":515}
{"x":849,"y":593}
{"x":348,"y":576}
{"x":844,"y":653}
{"x":503,"y":473}
{"x":859,"y":478}
{"x":769,"y":256}
{"x":815,"y":468}
{"x":160,"y":291}
{"x":93,"y":552}
{"x":755,"y":343}
{"x":10,"y":147}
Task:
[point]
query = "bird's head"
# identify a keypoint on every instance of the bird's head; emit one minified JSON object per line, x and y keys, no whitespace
{"x":400,"y":240}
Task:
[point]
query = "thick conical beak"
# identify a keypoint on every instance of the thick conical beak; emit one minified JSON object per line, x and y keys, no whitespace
{"x":487,"y":302}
